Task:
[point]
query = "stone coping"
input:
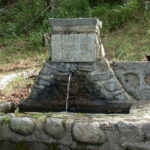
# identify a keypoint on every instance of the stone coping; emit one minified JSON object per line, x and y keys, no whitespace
{"x":74,"y":22}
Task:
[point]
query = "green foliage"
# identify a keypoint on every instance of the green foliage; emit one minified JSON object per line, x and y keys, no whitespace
{"x":113,"y":14}
{"x":24,"y":12}
{"x":19,"y":41}
{"x":35,"y":39}
{"x":129,"y":43}
{"x":116,"y":16}
{"x":70,"y":8}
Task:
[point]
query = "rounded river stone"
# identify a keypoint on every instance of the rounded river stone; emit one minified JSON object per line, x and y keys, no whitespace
{"x":22,"y":125}
{"x":55,"y":127}
{"x":88,"y":132}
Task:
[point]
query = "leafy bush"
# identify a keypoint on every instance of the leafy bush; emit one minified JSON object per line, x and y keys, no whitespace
{"x":70,"y":8}
{"x":116,"y":16}
{"x":20,"y":15}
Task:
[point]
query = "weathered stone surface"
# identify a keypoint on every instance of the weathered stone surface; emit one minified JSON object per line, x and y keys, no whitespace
{"x":145,"y":93}
{"x":78,"y":40}
{"x":81,"y":56}
{"x":88,"y":132}
{"x":135,"y":77}
{"x":92,"y":88}
{"x":147,"y":78}
{"x":122,"y":97}
{"x":39,"y":86}
{"x":100,"y":76}
{"x":46,"y":69}
{"x":94,"y":131}
{"x":6,"y":107}
{"x":130,"y":131}
{"x":85,"y":67}
{"x":136,"y":145}
{"x":76,"y":47}
{"x":112,"y":86}
{"x":74,"y":22}
{"x":80,"y":29}
{"x":46,"y":77}
{"x":67,"y":139}
{"x":22,"y":125}
{"x":146,"y":130}
{"x":43,"y":82}
{"x":55,"y":127}
{"x":132,"y":79}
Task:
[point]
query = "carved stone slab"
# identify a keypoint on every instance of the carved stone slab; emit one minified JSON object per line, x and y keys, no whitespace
{"x":81,"y":47}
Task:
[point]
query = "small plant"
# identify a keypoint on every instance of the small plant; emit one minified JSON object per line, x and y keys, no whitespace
{"x":20,"y":146}
{"x":6,"y":120}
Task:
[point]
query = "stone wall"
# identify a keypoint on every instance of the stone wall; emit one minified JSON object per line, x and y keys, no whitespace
{"x":94,"y":88}
{"x":135,"y":77}
{"x":65,"y":131}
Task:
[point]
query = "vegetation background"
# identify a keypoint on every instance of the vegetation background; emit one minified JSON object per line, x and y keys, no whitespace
{"x":125,"y":33}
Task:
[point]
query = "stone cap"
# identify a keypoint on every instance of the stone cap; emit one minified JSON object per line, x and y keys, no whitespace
{"x":75,"y":24}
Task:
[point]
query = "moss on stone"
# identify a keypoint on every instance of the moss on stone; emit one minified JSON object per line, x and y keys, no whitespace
{"x":20,"y":146}
{"x":31,"y":115}
{"x":53,"y":147}
{"x":6,"y":119}
{"x":64,"y":123}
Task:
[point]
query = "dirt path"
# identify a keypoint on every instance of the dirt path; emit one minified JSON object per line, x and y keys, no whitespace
{"x":14,"y":91}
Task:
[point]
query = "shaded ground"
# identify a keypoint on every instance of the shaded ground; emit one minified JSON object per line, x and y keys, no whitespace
{"x":16,"y":95}
{"x":17,"y":91}
{"x":20,"y":65}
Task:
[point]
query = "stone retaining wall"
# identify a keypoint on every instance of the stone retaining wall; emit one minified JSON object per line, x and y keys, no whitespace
{"x":61,"y":131}
{"x":94,"y":88}
{"x":135,"y":77}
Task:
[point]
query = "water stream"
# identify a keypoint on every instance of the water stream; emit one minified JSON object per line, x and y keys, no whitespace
{"x":68,"y":89}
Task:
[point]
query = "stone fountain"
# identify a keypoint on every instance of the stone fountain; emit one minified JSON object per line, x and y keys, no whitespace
{"x":76,"y":49}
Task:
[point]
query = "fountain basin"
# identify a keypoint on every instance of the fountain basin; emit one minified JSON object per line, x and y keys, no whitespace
{"x":62,"y":131}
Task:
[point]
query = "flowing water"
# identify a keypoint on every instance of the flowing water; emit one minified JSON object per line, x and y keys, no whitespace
{"x":68,"y":89}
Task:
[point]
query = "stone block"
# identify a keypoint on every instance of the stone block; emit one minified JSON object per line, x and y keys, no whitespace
{"x":75,"y":22}
{"x":6,"y":107}
{"x":135,"y":77}
{"x":130,"y":131}
{"x":88,"y":132}
{"x":23,"y":126}
{"x":84,"y":28}
{"x":74,"y":47}
{"x":147,"y":78}
{"x":55,"y":128}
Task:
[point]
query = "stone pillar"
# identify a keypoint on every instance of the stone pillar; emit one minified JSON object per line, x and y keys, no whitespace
{"x":75,"y":40}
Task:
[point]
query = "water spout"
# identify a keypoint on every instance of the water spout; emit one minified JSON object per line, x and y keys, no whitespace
{"x":68,"y":89}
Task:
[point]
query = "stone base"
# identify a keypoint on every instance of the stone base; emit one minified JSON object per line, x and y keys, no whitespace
{"x":75,"y":106}
{"x":93,"y":89}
